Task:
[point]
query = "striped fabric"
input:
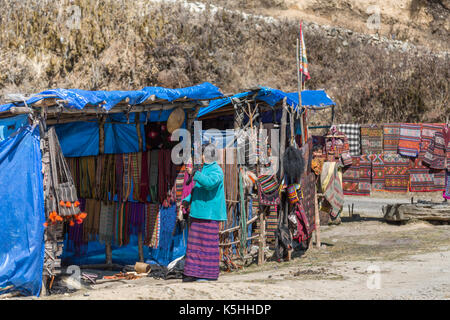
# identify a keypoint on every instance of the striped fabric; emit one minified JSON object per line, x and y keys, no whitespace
{"x":437,"y":155}
{"x":421,"y":178}
{"x":446,"y":193}
{"x":365,"y":175}
{"x":396,"y":172}
{"x":391,"y":135}
{"x":154,"y":156}
{"x":151,"y":216}
{"x":409,"y":141}
{"x":106,"y":228}
{"x":350,"y":178}
{"x":353,"y":133}
{"x":135,"y":160}
{"x":377,"y":172}
{"x":271,"y":225}
{"x":371,"y":138}
{"x":427,"y":136}
{"x":268,"y":183}
{"x":202,"y":253}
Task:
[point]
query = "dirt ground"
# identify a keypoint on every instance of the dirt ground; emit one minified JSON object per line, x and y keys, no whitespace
{"x":362,"y":258}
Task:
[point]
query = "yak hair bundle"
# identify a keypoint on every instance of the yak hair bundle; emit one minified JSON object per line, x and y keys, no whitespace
{"x":293,"y":164}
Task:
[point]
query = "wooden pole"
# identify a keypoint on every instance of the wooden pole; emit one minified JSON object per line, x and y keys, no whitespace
{"x":137,"y":117}
{"x":299,"y":88}
{"x":101,"y":150}
{"x":283,"y":137}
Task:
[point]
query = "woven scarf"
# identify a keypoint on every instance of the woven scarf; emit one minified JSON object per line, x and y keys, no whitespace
{"x":98,"y":175}
{"x":154,"y":158}
{"x":391,"y":135}
{"x":164,"y":174}
{"x":396,"y":172}
{"x":91,"y":167}
{"x":136,"y":217}
{"x":350,"y":178}
{"x":409,"y":141}
{"x":144,"y":185}
{"x":353,"y":133}
{"x":119,"y":177}
{"x":151,"y":217}
{"x":156,"y":231}
{"x":126,"y":177}
{"x":371,"y":138}
{"x":106,"y":227}
{"x":135,"y":161}
{"x":92,"y":222}
{"x":231,"y":174}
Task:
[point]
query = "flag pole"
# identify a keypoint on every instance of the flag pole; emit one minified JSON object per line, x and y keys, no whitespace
{"x":299,"y":89}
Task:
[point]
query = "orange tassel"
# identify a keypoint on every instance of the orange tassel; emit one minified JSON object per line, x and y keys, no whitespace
{"x":68,"y":204}
{"x":79,"y":221}
{"x":62,"y":203}
{"x":82,"y":215}
{"x":76,"y":203}
{"x":59,"y":218}
{"x":45,"y":224}
{"x":71,"y":223}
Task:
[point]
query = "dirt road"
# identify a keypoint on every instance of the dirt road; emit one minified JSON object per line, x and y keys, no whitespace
{"x":363,"y":259}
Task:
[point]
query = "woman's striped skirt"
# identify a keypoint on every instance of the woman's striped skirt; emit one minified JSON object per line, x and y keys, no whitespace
{"x":202,"y":253}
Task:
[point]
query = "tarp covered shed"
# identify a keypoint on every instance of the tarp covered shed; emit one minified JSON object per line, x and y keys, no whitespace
{"x":79,"y":117}
{"x":310,"y":98}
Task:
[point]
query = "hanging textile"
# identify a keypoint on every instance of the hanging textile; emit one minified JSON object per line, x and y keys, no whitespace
{"x":127,"y":176}
{"x":151,"y":210}
{"x":108,"y":176}
{"x":377,"y":172}
{"x":427,"y":136}
{"x":92,"y":222}
{"x":136,"y":161}
{"x":231,"y":177}
{"x":154,"y":158}
{"x":396,"y":172}
{"x":106,"y":225}
{"x":268,"y":190}
{"x":371,"y":138}
{"x":337,"y":147}
{"x":446,"y":193}
{"x":307,"y":197}
{"x":424,"y":179}
{"x":409,"y":140}
{"x":119,"y":177}
{"x":350,"y":178}
{"x":331,"y":180}
{"x":164,"y":174}
{"x":168,"y":217}
{"x":144,"y":179}
{"x":437,"y":155}
{"x":391,"y":135}
{"x":365,"y":175}
{"x":353,"y":133}
{"x":271,"y":225}
{"x":136,"y":217}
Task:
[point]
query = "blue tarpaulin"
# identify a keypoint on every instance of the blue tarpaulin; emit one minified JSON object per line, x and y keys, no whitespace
{"x":310,"y":98}
{"x":22,"y":214}
{"x":78,"y":99}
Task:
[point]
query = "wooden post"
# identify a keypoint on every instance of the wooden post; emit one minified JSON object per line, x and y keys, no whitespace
{"x":299,"y":89}
{"x":317,"y":221}
{"x":137,"y":120}
{"x":283,"y":137}
{"x":101,"y":150}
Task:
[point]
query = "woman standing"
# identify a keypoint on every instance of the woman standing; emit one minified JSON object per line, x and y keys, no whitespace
{"x":207,"y":208}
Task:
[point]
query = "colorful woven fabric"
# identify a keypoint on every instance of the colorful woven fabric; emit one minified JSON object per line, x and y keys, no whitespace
{"x":446,"y":193}
{"x":331,"y":181}
{"x":353,"y":133}
{"x":337,"y":147}
{"x":427,"y":136}
{"x":391,"y":135}
{"x":350,"y":178}
{"x":365,"y":175}
{"x":202,"y":252}
{"x":421,"y":178}
{"x":438,"y":179}
{"x":307,"y":198}
{"x":135,"y":160}
{"x":136,"y":217}
{"x":377,"y":172}
{"x":409,"y":141}
{"x":437,"y":155}
{"x":371,"y":138}
{"x":92,"y":221}
{"x":145,"y":183}
{"x":396,"y":172}
{"x":151,"y":210}
{"x":272,"y":224}
{"x":154,"y":157}
{"x":106,"y":227}
{"x":127,"y":180}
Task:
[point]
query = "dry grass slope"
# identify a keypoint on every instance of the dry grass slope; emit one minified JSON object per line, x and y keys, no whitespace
{"x":128,"y":45}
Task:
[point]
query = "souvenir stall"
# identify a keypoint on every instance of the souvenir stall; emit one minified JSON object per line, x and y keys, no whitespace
{"x":280,"y":204}
{"x":110,"y":192}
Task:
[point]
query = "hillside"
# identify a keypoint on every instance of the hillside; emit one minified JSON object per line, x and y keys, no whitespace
{"x":129,"y":45}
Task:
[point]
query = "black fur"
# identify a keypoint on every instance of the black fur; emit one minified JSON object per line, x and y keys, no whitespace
{"x":293,"y":164}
